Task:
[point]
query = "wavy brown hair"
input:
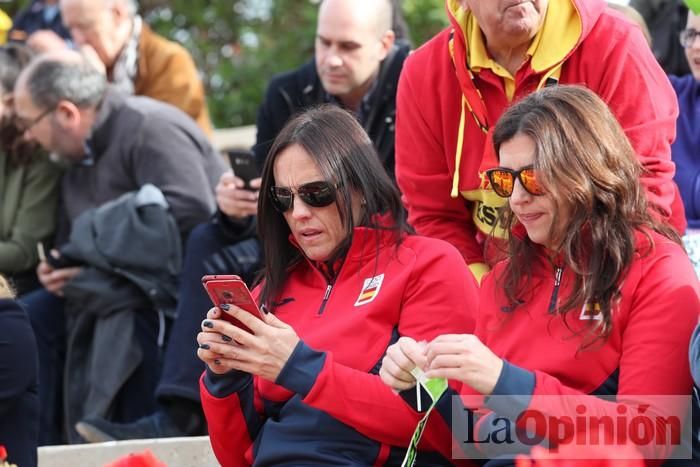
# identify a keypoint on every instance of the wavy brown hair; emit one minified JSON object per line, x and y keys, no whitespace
{"x":13,"y":58}
{"x":587,"y":166}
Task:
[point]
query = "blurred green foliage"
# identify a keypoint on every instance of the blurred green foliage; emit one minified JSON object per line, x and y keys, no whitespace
{"x":239,"y":44}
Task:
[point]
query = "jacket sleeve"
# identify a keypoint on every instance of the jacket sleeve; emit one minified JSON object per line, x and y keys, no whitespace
{"x":653,"y":362}
{"x":174,"y":164}
{"x":360,"y":399}
{"x":233,"y":418}
{"x":35,"y":219}
{"x":641,"y":97}
{"x":423,"y":175}
{"x":171,"y":76}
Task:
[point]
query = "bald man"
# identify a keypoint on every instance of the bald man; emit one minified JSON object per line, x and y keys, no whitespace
{"x":136,"y":60}
{"x":356,"y":66}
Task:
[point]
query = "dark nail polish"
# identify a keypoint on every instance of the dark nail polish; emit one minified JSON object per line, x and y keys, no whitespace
{"x":225,"y":306}
{"x":208,"y":324}
{"x":225,"y":338}
{"x":217,"y":361}
{"x":204,"y":346}
{"x":264,"y":309}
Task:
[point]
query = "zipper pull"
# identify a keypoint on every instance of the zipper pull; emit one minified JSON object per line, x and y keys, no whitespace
{"x":555,"y":293}
{"x":325,"y":299}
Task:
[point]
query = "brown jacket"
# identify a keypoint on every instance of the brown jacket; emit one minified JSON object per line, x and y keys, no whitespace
{"x":168,"y":73}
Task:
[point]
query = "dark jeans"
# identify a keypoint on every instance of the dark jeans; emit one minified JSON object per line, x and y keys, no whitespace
{"x":134,"y":400}
{"x":207,"y":252}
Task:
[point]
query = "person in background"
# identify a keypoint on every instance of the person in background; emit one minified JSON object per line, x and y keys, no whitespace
{"x":5,"y":26}
{"x":136,"y":60}
{"x":590,"y":278}
{"x":686,"y":147}
{"x":344,"y":278}
{"x":19,"y":401}
{"x":665,"y":19}
{"x":115,"y":145}
{"x":40,"y":26}
{"x":29,"y":184}
{"x":356,"y":66}
{"x":454,"y":88}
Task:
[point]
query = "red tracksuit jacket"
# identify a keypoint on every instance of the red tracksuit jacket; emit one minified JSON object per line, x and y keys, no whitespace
{"x":328,"y":405}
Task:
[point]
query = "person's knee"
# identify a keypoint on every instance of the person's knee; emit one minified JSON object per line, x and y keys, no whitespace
{"x":203,"y":239}
{"x":45,"y":312}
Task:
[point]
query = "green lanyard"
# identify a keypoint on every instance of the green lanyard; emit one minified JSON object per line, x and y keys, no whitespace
{"x":435,"y":387}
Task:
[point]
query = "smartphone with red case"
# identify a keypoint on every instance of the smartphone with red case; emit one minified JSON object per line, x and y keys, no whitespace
{"x":232,"y":290}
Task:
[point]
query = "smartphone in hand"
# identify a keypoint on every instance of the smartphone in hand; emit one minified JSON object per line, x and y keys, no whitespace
{"x":56,"y":262}
{"x":244,"y":166}
{"x":232,"y":290}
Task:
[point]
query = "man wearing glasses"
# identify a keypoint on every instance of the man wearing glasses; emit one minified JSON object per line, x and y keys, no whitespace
{"x":113,"y":145}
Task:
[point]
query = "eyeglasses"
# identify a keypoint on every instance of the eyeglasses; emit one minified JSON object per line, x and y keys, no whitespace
{"x":687,"y":37}
{"x":25,"y":125}
{"x":503,"y":181}
{"x":316,"y":194}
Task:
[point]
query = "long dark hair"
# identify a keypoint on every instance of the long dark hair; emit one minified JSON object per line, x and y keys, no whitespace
{"x":13,"y":58}
{"x":588,"y":167}
{"x":345,"y":156}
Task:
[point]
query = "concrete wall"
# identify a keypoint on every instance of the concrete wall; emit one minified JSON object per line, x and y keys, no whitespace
{"x":175,"y":452}
{"x":242,"y":137}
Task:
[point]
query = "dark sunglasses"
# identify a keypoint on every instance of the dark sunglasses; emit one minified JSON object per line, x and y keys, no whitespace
{"x":503,"y":181}
{"x":315,"y":194}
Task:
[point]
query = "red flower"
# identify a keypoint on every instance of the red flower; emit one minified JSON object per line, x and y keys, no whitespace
{"x":141,"y":459}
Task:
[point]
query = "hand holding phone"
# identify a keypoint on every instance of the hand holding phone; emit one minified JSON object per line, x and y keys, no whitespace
{"x":244,"y":166}
{"x":231,"y":289}
{"x":233,"y":199}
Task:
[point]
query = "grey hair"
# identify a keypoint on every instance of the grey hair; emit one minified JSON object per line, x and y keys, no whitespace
{"x":51,"y":81}
{"x":132,"y":6}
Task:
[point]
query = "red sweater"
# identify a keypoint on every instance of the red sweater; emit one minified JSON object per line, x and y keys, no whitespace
{"x":645,"y":354}
{"x":329,"y":405}
{"x":609,"y":56}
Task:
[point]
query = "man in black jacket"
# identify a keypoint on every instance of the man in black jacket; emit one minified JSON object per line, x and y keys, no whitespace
{"x":356,"y":65}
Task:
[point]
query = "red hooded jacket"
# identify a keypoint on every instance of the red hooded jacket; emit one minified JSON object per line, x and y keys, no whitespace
{"x":581,"y":42}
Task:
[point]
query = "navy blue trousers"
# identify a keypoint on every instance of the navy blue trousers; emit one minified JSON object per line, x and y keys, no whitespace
{"x":135,"y":400}
{"x":207,"y":252}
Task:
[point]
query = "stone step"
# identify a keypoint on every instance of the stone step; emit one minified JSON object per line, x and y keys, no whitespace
{"x":192,"y":451}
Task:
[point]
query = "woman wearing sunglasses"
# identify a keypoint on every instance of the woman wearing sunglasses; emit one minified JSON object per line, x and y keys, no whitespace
{"x":595,"y":297}
{"x":344,"y":277}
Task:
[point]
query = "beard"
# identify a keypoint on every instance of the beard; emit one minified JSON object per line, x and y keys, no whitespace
{"x":12,"y":142}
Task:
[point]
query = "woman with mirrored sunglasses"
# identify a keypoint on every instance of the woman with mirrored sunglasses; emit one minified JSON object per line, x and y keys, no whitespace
{"x":344,"y":278}
{"x":595,"y":297}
